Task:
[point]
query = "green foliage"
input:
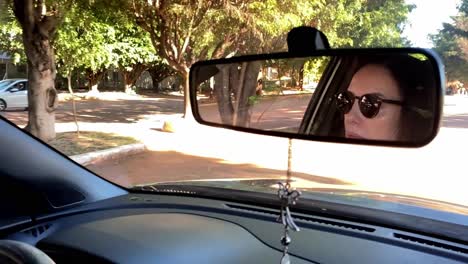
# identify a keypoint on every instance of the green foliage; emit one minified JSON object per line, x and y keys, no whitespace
{"x":358,"y":23}
{"x":100,"y":34}
{"x":99,"y":37}
{"x":271,"y":86}
{"x":133,"y":46}
{"x":452,"y":44}
{"x":254,"y":99}
{"x":314,"y":68}
{"x":84,"y":42}
{"x":187,"y":31}
{"x":11,"y":36}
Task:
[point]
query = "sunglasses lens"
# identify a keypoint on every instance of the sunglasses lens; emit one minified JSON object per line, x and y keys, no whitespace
{"x":344,"y":102}
{"x":369,"y":105}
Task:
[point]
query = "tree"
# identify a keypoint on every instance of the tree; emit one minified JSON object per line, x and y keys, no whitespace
{"x":11,"y":40}
{"x":451,"y":43}
{"x":158,"y":71}
{"x":39,"y":21}
{"x":134,"y":52}
{"x":186,"y":31}
{"x":97,"y":37}
{"x":176,"y":32}
{"x":358,"y":23}
{"x":85,"y":43}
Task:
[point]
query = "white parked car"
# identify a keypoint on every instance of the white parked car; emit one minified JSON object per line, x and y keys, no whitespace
{"x":13,"y":94}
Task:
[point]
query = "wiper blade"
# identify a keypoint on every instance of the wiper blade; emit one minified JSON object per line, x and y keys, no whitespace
{"x":268,"y":199}
{"x":176,"y":189}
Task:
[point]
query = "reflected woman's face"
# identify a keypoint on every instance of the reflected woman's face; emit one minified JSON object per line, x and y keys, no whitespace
{"x":374,"y":79}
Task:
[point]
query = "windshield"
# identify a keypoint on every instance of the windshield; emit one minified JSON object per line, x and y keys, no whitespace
{"x":122,"y":112}
{"x":5,"y":83}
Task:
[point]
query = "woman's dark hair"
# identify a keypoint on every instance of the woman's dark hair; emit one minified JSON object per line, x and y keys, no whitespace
{"x":417,"y":84}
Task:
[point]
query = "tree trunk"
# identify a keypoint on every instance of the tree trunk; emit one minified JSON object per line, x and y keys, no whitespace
{"x":158,"y":73}
{"x":94,"y":88}
{"x":233,"y":80}
{"x":42,"y":96}
{"x":70,"y":89}
{"x":38,"y":33}
{"x":155,"y":79}
{"x":280,"y":74}
{"x":93,"y":80}
{"x":128,"y":89}
{"x":127,"y":82}
{"x":293,"y":77}
{"x":246,"y":89}
{"x":187,"y":105}
{"x":211,"y":85}
{"x":131,"y":77}
{"x":43,"y":100}
{"x":223,"y":95}
{"x":301,"y":78}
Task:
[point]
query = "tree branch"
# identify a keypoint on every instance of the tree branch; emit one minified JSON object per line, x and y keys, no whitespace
{"x":24,"y":12}
{"x":48,"y":25}
{"x":222,"y":46}
{"x":39,"y":10}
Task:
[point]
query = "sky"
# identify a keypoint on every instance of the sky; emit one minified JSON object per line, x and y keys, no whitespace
{"x":427,"y":18}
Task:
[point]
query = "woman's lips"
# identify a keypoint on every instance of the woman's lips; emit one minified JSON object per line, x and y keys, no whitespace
{"x":353,"y":135}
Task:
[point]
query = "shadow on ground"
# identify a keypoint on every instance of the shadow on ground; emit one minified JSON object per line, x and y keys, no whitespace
{"x":165,"y":166}
{"x":105,"y":111}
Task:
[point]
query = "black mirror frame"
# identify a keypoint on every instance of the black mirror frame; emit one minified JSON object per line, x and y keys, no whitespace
{"x":436,"y":62}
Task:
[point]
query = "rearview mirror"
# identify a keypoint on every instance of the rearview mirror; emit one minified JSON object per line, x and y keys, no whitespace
{"x":367,"y":96}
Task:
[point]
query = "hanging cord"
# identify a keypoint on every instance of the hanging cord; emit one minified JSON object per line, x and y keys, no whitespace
{"x":287,"y":197}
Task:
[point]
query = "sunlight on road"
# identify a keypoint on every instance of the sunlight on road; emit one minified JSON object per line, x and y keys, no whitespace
{"x":423,"y":172}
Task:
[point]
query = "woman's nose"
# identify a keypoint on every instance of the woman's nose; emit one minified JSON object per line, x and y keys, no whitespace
{"x":354,"y":115}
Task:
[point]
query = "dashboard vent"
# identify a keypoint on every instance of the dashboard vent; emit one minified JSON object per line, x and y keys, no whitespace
{"x":305,"y":218}
{"x":253,"y":209}
{"x":431,"y":243}
{"x":335,"y":223}
{"x":37,"y":230}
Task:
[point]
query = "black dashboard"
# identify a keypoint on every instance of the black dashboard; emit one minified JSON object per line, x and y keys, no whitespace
{"x":145,"y":228}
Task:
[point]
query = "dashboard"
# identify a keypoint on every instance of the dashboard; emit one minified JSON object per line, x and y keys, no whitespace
{"x":146,"y":228}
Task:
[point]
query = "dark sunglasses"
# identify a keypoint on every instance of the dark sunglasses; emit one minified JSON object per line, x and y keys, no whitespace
{"x":369,"y":104}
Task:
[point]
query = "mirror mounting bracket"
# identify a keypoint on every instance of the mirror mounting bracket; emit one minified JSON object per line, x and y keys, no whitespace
{"x":304,"y":39}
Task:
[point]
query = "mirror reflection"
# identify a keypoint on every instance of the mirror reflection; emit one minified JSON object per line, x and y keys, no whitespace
{"x":390,"y":97}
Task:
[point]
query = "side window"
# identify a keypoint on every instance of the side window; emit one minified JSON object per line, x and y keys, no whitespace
{"x":13,"y":87}
{"x":21,"y":86}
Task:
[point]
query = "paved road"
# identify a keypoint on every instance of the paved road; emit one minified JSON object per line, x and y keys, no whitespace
{"x":271,"y":113}
{"x":109,"y":111}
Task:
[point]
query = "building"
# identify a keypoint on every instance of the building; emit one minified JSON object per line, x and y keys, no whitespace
{"x":9,"y":70}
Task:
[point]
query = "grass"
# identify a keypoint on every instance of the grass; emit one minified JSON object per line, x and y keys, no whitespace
{"x":69,"y":143}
